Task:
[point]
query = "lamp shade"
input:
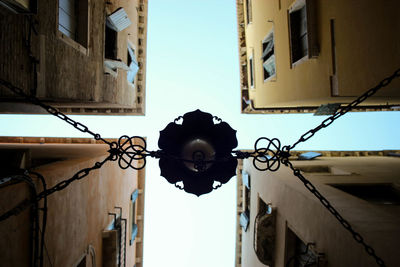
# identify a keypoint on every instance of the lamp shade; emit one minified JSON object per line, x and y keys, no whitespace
{"x":196,"y":155}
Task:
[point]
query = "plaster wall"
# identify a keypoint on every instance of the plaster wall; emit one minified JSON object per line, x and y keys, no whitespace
{"x":77,"y":215}
{"x":15,"y":232}
{"x":299,"y":210}
{"x":367,"y":50}
{"x":71,"y":76}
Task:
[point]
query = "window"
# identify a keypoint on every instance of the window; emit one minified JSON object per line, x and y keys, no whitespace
{"x":249,"y":13}
{"x":264,"y":233}
{"x":73,"y":20}
{"x":82,"y":262}
{"x":115,"y":22}
{"x":299,"y":254}
{"x":132,"y":64}
{"x":263,"y":208}
{"x":110,"y":247}
{"x":382,"y":194}
{"x":302,"y":31}
{"x":110,"y":43}
{"x":132,"y":217}
{"x":245,"y":215}
{"x":268,"y":56}
{"x":251,"y":71}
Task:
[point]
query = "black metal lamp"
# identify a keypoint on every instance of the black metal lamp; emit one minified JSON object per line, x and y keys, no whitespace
{"x":196,"y":155}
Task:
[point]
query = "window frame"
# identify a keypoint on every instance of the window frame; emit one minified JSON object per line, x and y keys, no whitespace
{"x":249,"y":12}
{"x":293,"y":241}
{"x":270,"y":58}
{"x":251,"y":71}
{"x":133,"y":228}
{"x":82,"y":44}
{"x":310,"y":16}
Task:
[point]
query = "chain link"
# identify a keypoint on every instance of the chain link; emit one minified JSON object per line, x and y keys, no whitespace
{"x":344,"y":110}
{"x":77,"y":176}
{"x":53,"y":111}
{"x":334,"y":212}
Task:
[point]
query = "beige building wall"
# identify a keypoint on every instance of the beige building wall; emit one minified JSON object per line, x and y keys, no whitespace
{"x":71,"y":74}
{"x":77,"y":215}
{"x":298,"y":210}
{"x":354,"y":47}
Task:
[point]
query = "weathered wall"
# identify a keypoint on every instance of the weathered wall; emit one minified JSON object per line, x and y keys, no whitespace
{"x":15,"y":232}
{"x":71,"y":76}
{"x":298,"y":209}
{"x":367,"y":50}
{"x":78,"y":214}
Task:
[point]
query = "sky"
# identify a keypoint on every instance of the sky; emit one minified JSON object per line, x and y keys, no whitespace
{"x":192,"y":63}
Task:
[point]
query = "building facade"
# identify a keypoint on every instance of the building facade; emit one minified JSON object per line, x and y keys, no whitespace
{"x":296,"y":55}
{"x":280,"y":223}
{"x":94,"y":221}
{"x":82,"y":57}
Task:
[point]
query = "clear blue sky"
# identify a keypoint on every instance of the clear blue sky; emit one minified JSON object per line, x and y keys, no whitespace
{"x":192,"y":60}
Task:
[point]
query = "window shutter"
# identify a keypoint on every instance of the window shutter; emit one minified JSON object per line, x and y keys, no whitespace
{"x":67,"y":18}
{"x":246,"y":179}
{"x":269,"y":65}
{"x":134,"y":232}
{"x":244,"y":221}
{"x":134,"y":195}
{"x":313,"y":47}
{"x":133,"y":66}
{"x":118,"y":20}
{"x":116,"y":64}
{"x":309,"y":155}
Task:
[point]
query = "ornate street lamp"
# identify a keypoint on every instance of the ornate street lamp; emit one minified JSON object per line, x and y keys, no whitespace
{"x":196,"y":155}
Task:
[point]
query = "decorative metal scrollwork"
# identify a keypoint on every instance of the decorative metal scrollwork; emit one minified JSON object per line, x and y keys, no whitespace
{"x":129,"y":150}
{"x":267,"y":154}
{"x":266,"y":157}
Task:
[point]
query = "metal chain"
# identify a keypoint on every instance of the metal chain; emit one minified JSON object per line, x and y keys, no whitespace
{"x":334,"y":212}
{"x":53,"y":111}
{"x":344,"y":110}
{"x":77,"y":176}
